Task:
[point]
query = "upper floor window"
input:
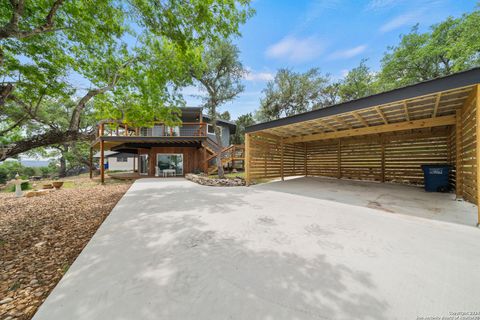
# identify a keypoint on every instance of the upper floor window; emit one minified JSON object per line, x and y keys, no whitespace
{"x":122,"y":159}
{"x":211,"y":131}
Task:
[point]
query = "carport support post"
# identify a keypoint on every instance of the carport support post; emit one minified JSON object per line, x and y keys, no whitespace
{"x":305,"y":160}
{"x":478,"y":150}
{"x":281,"y":159}
{"x":247,"y":159}
{"x":339,"y":159}
{"x":102,"y":161}
{"x":458,"y":156}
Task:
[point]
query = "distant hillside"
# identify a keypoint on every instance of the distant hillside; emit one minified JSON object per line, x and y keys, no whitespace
{"x":35,"y":163}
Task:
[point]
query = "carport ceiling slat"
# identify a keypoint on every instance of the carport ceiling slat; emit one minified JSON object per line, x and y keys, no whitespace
{"x":435,"y":104}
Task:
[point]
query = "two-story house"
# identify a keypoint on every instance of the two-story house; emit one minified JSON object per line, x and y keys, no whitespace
{"x":164,"y":151}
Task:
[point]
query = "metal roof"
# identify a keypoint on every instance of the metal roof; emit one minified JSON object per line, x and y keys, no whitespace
{"x":456,"y":80}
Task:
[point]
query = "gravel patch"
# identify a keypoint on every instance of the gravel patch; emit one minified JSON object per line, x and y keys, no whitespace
{"x":40,"y":238}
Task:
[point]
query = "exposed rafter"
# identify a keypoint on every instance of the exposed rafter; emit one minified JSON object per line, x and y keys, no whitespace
{"x":382,"y":115}
{"x":360,"y":118}
{"x":400,"y":126}
{"x":437,"y":103}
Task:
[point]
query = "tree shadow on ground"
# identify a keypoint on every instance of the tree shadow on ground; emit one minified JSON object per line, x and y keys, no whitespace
{"x":169,"y":262}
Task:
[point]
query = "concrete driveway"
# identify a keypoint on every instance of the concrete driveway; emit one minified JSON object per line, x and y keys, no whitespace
{"x":172,"y":249}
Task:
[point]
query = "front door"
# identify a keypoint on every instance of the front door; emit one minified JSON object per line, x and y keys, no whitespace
{"x":171,"y":163}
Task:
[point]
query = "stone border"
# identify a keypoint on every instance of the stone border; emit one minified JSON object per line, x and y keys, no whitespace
{"x":206,"y":181}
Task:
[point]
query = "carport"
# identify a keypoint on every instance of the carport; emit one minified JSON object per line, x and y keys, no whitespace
{"x":384,"y":137}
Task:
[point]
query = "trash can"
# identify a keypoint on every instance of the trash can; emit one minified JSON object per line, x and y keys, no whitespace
{"x":436,"y":177}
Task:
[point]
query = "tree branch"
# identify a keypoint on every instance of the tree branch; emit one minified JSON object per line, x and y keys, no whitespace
{"x":11,"y":29}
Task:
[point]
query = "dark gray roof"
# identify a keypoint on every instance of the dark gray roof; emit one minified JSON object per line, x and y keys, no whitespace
{"x":230,"y":124}
{"x":456,"y":80}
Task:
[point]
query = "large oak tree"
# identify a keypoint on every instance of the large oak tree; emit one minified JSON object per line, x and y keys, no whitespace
{"x":121,"y":59}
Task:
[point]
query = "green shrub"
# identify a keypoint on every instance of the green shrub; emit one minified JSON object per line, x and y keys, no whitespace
{"x":25,"y":186}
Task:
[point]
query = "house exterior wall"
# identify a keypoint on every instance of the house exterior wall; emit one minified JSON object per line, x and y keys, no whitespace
{"x":225,"y":136}
{"x":192,"y":157}
{"x":113,"y":164}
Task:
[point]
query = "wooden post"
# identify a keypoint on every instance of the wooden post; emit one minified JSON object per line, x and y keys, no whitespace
{"x":281,"y":159}
{"x":90,"y":159}
{"x":458,"y":156}
{"x":382,"y":177}
{"x":134,"y":159}
{"x":102,"y":161}
{"x":305,"y":160}
{"x":247,"y":159}
{"x":339,"y":159}
{"x":477,"y":113}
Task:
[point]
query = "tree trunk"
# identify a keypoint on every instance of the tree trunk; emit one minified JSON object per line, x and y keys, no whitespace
{"x":62,"y":171}
{"x":221,"y":173}
{"x":45,"y":139}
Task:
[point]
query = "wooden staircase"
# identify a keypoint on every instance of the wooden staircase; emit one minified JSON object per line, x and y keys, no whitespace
{"x":231,"y":155}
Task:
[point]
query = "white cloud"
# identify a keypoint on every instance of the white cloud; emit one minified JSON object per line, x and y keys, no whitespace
{"x":348,"y":53}
{"x":382,"y":4}
{"x":296,"y":49}
{"x":401,"y":21}
{"x":251,"y":75}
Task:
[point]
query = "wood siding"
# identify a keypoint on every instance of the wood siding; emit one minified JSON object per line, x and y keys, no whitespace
{"x":192,"y":157}
{"x":386,"y":157}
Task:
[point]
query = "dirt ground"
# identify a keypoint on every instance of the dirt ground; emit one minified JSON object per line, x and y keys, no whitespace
{"x":40,"y":237}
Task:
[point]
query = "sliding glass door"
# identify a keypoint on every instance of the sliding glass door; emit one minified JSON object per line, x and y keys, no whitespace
{"x":170,"y":164}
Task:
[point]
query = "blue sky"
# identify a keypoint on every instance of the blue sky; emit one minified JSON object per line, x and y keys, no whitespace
{"x":333,"y":35}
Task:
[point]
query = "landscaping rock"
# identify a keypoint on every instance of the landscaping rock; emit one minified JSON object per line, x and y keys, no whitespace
{"x":214,"y":182}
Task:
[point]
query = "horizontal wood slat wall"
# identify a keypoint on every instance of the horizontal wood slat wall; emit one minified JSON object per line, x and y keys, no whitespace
{"x":265,"y":158}
{"x":384,"y":157}
{"x":468,"y":152}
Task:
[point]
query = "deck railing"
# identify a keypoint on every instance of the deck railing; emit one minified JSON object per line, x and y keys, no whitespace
{"x":186,"y":129}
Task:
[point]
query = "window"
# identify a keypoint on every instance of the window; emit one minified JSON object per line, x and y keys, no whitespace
{"x":122,"y":159}
{"x":210,"y":129}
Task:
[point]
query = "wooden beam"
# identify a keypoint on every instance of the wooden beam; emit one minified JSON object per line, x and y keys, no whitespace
{"x":281,"y":159}
{"x":305,"y":160}
{"x":382,"y":174}
{"x":458,"y":156}
{"x":102,"y":161}
{"x":360,"y":118}
{"x":392,"y":127}
{"x":339,"y":159}
{"x":265,"y":135}
{"x":405,"y":108}
{"x":478,"y":150}
{"x":437,"y":103}
{"x":382,"y":115}
{"x":247,"y":159}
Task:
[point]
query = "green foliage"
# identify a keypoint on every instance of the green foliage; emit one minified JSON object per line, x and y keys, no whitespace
{"x":9,"y":169}
{"x":450,"y":46}
{"x":291,"y":93}
{"x":242,"y":122}
{"x":25,"y":186}
{"x":359,"y":82}
{"x":92,"y":40}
